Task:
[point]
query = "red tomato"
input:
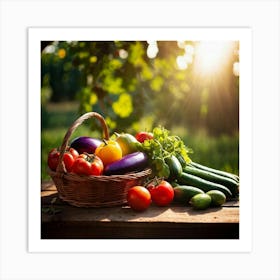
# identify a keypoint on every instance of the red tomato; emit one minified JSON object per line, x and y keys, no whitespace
{"x":68,"y":158}
{"x":162,"y":194}
{"x":142,"y":136}
{"x":138,"y":198}
{"x":86,"y":164}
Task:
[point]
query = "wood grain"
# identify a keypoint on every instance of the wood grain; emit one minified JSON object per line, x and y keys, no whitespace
{"x":175,"y":221}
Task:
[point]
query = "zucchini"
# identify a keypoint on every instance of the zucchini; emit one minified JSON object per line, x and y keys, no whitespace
{"x":174,"y":184}
{"x":192,"y":180}
{"x":231,"y":184}
{"x":175,"y":167}
{"x":216,"y":171}
{"x":181,"y":160}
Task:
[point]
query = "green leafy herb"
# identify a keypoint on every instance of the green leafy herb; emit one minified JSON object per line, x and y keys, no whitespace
{"x":162,"y":146}
{"x":51,"y":210}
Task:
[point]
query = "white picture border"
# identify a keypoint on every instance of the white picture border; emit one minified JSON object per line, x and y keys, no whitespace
{"x":36,"y":35}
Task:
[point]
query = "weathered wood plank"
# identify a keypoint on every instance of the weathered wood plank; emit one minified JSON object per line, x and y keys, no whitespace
{"x":175,"y":221}
{"x":48,"y":185}
{"x":172,"y":214}
{"x":134,"y":230}
{"x":48,"y":194}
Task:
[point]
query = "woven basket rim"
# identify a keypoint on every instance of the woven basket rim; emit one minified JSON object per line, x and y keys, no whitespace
{"x":77,"y":177}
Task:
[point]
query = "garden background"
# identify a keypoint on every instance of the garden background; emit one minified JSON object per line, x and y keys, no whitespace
{"x":190,"y":88}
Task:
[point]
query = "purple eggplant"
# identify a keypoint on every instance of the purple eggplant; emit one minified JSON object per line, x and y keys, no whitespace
{"x":85,"y":144}
{"x":132,"y":162}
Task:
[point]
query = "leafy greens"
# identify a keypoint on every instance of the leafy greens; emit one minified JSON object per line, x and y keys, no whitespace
{"x":162,"y":146}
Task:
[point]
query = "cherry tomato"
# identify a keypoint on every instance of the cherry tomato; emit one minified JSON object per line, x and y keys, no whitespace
{"x":68,"y":158}
{"x":86,"y":164}
{"x":139,"y":198}
{"x":162,"y":194}
{"x":109,"y":151}
{"x":142,"y":136}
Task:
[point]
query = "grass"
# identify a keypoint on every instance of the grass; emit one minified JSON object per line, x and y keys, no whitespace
{"x":56,"y":120}
{"x":220,"y":152}
{"x":217,"y":152}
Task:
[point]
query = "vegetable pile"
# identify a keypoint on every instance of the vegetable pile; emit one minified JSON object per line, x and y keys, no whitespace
{"x":175,"y":177}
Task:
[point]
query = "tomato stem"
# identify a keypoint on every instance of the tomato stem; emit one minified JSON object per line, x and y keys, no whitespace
{"x":156,"y":180}
{"x":90,"y":157}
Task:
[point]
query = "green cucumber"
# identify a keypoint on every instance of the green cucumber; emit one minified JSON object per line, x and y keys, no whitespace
{"x":181,"y":160}
{"x":201,"y":201}
{"x":185,"y":193}
{"x":217,"y":197}
{"x":174,"y":184}
{"x":231,"y":184}
{"x":175,"y":167}
{"x":216,"y":171}
{"x":188,"y":179}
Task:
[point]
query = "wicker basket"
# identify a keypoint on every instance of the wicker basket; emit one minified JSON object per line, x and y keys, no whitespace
{"x":93,"y":191}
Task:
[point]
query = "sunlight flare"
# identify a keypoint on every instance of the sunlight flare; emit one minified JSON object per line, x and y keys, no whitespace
{"x":211,"y":56}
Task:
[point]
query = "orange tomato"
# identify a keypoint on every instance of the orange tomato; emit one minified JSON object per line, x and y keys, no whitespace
{"x":109,"y":151}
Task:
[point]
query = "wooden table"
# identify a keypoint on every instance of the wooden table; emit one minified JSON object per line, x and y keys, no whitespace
{"x":62,"y":221}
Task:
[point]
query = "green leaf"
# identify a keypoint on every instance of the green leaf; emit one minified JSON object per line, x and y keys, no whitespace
{"x":123,"y":107}
{"x":157,"y":83}
{"x":113,"y":85}
{"x":158,"y":162}
{"x":50,"y":210}
{"x":136,"y":53}
{"x":53,"y":200}
{"x":164,"y":171}
{"x":46,"y":210}
{"x":163,"y":145}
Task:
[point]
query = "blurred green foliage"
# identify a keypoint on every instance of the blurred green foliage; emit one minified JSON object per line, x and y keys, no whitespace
{"x":119,"y":80}
{"x":137,"y":85}
{"x":216,"y":151}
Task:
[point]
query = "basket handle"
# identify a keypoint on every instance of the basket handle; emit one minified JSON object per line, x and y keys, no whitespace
{"x":61,"y":167}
